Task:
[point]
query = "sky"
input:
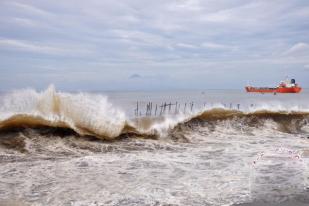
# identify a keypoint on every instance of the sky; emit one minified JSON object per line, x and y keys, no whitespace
{"x":152,"y":45}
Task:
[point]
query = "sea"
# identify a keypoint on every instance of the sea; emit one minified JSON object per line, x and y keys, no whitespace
{"x":197,"y":147}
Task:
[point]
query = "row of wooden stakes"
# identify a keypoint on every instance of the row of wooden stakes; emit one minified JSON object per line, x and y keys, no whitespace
{"x":170,"y":108}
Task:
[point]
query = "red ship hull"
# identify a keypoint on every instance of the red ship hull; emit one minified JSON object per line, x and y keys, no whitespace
{"x":274,"y":90}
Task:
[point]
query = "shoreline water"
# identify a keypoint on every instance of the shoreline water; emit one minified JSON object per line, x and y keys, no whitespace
{"x":53,"y":152}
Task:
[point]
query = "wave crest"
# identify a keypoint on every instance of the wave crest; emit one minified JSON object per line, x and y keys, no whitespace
{"x":93,"y":115}
{"x":286,"y":121}
{"x":83,"y":113}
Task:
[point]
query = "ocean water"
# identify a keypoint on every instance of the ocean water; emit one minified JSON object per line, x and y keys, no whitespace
{"x":212,"y":147}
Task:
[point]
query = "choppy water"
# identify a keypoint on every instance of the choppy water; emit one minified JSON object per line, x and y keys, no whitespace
{"x":60,"y":148}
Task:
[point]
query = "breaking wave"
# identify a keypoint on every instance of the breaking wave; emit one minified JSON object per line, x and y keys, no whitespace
{"x":283,"y":121}
{"x":93,"y":115}
{"x":84,"y":113}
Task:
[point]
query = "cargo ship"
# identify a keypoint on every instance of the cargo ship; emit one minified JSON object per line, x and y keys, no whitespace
{"x":287,"y":86}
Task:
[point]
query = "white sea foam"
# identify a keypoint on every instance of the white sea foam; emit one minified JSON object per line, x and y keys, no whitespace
{"x":93,"y":114}
{"x":87,"y":114}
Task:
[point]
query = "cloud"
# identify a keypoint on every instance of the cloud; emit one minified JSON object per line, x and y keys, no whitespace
{"x":17,"y":45}
{"x":186,"y":39}
{"x":24,"y":22}
{"x":26,"y":46}
{"x":300,"y":48}
{"x":30,"y":9}
{"x":186,"y":46}
{"x":211,"y":45}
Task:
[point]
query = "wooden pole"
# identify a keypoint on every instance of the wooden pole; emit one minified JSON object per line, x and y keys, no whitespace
{"x":169,"y":107}
{"x":164,"y":107}
{"x":148,"y":109}
{"x":176,"y":105}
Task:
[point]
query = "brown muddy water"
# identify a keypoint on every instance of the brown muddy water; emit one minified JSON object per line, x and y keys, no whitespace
{"x":60,"y":148}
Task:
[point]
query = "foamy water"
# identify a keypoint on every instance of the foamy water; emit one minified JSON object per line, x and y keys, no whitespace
{"x":59,"y":148}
